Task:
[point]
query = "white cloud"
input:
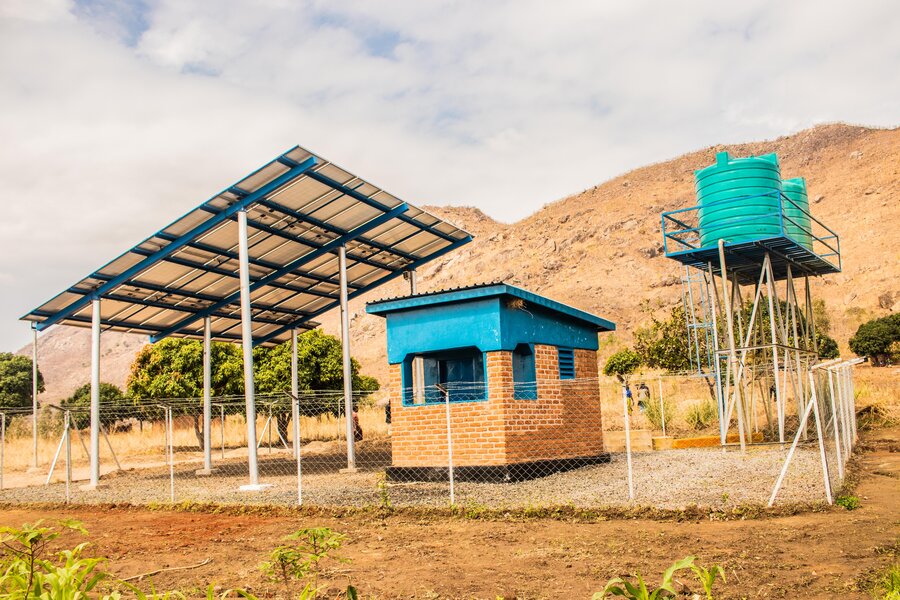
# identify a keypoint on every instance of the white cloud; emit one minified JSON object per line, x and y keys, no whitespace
{"x":117,"y":117}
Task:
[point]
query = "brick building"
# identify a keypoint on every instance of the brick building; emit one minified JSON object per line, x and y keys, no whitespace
{"x":518,"y":371}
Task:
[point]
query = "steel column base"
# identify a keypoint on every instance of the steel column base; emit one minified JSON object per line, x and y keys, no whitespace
{"x":92,"y":487}
{"x":256,"y":487}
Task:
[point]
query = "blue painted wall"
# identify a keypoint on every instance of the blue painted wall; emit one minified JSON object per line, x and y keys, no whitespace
{"x":444,"y":327}
{"x":485,"y":323}
{"x":537,"y":325}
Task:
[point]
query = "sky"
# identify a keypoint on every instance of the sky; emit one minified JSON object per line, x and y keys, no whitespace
{"x":116,"y":117}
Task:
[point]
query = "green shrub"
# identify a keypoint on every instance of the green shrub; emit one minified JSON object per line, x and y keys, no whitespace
{"x":301,"y":560}
{"x":654,"y":412}
{"x":700,"y":415}
{"x":848,"y":502}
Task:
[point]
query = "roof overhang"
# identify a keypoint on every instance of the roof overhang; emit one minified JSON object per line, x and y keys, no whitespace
{"x":466,"y":294}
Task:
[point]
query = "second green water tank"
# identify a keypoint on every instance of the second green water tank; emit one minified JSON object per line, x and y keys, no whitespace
{"x":796,"y":212}
{"x":739,"y":199}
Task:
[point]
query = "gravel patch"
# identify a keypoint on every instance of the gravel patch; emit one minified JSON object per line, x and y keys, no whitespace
{"x":665,"y":479}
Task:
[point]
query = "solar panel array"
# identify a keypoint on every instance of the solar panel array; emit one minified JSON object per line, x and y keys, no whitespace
{"x":300,"y":209}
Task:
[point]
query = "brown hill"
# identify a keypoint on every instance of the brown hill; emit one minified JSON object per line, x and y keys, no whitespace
{"x":600,"y":250}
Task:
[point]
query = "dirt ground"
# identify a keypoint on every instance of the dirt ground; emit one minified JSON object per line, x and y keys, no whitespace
{"x":813,"y":555}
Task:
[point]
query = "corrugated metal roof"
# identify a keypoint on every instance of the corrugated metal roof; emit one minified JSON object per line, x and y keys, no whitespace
{"x":300,"y":209}
{"x":484,"y":290}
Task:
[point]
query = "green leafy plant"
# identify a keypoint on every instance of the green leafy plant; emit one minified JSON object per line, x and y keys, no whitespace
{"x":27,"y":573}
{"x":707,"y":577}
{"x":888,"y":585}
{"x":638,"y":590}
{"x":848,"y":502}
{"x":384,"y":497}
{"x":698,"y":416}
{"x":302,"y":560}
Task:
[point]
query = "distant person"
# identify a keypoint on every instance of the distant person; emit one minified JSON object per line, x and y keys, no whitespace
{"x":630,"y":398}
{"x":387,"y":416}
{"x":357,"y":429}
{"x":643,"y":396}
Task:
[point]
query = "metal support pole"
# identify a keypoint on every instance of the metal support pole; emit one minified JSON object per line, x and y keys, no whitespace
{"x":348,"y":372}
{"x":732,"y":353}
{"x":717,"y":364}
{"x":207,"y":395}
{"x":627,"y":443}
{"x":779,"y":394}
{"x":95,"y":393}
{"x":295,"y":395}
{"x":413,"y":288}
{"x":247,"y":344}
{"x":34,"y":393}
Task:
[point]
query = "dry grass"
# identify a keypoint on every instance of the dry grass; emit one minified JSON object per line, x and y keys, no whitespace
{"x":146,"y":444}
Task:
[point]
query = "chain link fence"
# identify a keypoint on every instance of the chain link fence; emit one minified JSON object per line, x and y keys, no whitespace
{"x":499,"y":445}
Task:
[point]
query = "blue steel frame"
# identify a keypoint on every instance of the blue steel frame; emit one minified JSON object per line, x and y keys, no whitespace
{"x":677,"y":227}
{"x":293,"y":173}
{"x":285,"y":270}
{"x":244,"y":200}
{"x":363,"y":290}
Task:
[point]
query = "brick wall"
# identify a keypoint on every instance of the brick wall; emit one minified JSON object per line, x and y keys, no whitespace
{"x":563,"y":422}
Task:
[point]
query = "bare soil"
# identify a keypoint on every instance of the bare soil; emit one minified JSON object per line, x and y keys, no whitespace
{"x":827,"y":554}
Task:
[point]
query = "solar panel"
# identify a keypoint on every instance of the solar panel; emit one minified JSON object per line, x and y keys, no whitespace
{"x":300,"y":209}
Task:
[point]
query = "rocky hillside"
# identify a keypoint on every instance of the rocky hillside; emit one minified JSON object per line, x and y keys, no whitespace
{"x":600,"y":249}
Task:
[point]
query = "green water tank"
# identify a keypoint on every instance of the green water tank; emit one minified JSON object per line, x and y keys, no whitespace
{"x":796,"y":211}
{"x":739,"y":199}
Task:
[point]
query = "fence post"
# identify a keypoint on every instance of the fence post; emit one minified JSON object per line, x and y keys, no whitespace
{"x":662,"y":407}
{"x":450,"y":451}
{"x":628,"y":442}
{"x":836,"y":421}
{"x":67,"y":434}
{"x":295,"y":409}
{"x":222,"y":432}
{"x":171,"y":425}
{"x":821,"y":437}
{"x":2,"y":445}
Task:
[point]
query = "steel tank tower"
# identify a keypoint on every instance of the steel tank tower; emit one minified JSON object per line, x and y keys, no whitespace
{"x":749,"y":248}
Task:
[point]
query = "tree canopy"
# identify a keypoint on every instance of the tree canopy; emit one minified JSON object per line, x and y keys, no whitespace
{"x":113,"y":402}
{"x":15,"y":381}
{"x":173,"y":368}
{"x":622,"y":364}
{"x":664,"y":344}
{"x":874,"y":338}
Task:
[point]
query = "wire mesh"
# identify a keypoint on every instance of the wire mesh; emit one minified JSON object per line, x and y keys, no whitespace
{"x":498,"y":444}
